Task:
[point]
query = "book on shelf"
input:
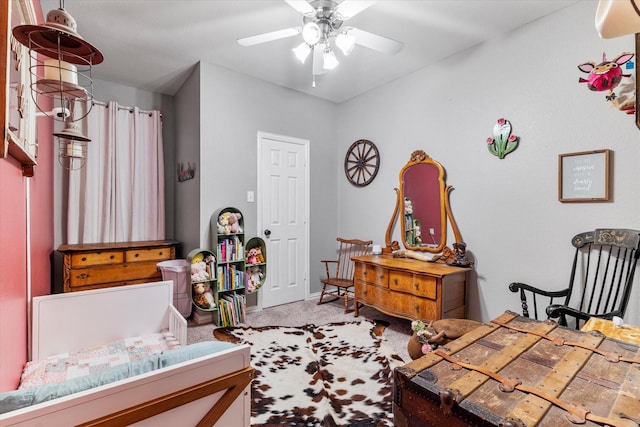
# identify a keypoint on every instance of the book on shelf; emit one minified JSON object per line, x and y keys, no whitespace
{"x":232,"y":309}
{"x":230,"y":278}
{"x":230,"y":249}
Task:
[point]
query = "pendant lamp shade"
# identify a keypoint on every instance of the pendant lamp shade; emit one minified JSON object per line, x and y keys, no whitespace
{"x":57,"y":38}
{"x":616,"y":18}
{"x":61,"y":63}
{"x":72,"y":147}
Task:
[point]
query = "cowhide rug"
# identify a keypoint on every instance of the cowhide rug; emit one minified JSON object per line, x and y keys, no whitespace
{"x":339,"y":374}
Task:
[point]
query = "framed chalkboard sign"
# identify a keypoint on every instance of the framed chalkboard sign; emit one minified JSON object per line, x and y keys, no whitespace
{"x":584,"y":177}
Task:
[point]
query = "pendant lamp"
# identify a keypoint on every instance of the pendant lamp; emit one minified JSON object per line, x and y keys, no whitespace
{"x":61,"y":63}
{"x":72,"y":147}
{"x":60,"y":78}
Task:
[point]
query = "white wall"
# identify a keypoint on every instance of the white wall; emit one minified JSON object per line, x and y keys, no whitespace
{"x":508,"y":210}
{"x":234,"y":108}
{"x":187,"y":193}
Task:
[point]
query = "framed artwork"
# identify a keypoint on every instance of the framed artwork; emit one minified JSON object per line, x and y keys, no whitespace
{"x":584,"y":177}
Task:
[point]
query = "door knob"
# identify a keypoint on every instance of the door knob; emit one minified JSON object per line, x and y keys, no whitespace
{"x":267,"y":232}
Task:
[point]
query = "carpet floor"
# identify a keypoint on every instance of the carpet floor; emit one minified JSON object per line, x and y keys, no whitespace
{"x":336,"y":374}
{"x":301,"y":313}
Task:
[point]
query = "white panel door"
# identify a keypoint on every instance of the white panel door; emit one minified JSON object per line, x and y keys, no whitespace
{"x":283,"y":210}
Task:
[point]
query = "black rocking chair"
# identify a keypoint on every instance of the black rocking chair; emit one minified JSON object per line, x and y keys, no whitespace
{"x":601,"y":279}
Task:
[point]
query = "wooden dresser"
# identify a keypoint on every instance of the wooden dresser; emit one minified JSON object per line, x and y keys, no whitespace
{"x":103,"y":265}
{"x":409,"y":288}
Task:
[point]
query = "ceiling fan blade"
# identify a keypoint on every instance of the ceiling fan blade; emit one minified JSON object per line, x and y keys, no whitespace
{"x":303,"y":7}
{"x":317,"y":67}
{"x":376,"y":42}
{"x":350,"y":8}
{"x":271,"y":36}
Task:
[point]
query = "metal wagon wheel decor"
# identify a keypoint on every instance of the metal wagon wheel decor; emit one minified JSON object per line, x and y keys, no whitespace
{"x":362,"y":162}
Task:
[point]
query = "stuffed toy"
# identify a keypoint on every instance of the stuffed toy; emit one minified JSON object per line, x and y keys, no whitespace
{"x":234,"y":222}
{"x":259,"y":256}
{"x":223,"y":223}
{"x":202,"y":295}
{"x":229,"y":223}
{"x":418,"y":233}
{"x":252,"y":256}
{"x":199,"y":272}
{"x":254,"y":276}
{"x":605,"y":75}
{"x":408,"y":206}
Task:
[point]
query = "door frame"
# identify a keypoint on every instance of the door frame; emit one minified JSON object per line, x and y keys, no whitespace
{"x":307,"y":202}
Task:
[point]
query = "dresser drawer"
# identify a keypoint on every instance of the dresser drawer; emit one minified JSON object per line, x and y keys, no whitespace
{"x":415,"y":284}
{"x":83,"y":259}
{"x":370,"y":294}
{"x":371,"y":274}
{"x":152,"y":254}
{"x":145,"y":271}
{"x":395,"y":303}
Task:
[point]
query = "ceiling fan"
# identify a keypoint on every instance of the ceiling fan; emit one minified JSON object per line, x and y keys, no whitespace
{"x":323,"y":30}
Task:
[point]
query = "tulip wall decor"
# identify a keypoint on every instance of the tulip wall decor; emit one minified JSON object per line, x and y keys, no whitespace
{"x":503,"y":141}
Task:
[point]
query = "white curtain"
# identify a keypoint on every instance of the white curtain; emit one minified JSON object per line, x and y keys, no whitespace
{"x":118,"y":196}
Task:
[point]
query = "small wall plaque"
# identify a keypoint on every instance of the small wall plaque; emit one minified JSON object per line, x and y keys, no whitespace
{"x":584,"y":176}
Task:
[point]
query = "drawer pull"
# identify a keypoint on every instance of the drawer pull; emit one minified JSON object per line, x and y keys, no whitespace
{"x":111,"y":257}
{"x":84,"y":258}
{"x":136,"y":255}
{"x":82,"y":276}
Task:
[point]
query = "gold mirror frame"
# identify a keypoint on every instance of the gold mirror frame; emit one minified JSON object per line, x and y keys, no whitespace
{"x":419,"y":157}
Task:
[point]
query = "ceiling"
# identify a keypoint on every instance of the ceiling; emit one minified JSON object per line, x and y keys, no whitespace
{"x":154,"y":44}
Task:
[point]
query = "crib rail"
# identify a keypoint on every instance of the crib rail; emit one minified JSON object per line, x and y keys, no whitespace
{"x":177,"y":325}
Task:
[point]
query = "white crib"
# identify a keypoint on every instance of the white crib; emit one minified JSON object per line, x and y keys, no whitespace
{"x":209,"y":390}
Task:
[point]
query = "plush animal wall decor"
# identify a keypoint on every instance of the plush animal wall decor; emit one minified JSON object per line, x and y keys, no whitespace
{"x":608,"y":75}
{"x":605,"y":75}
{"x":185,"y":174}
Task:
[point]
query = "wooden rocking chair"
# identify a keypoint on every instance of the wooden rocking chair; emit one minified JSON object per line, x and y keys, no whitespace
{"x":342,"y":278}
{"x":601,"y":279}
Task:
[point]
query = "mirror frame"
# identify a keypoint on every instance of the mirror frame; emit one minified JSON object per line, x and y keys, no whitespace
{"x":420,"y":157}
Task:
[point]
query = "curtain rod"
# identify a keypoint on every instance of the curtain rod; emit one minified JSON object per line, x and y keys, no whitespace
{"x":120,"y":107}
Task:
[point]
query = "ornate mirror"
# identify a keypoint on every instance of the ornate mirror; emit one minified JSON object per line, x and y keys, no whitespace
{"x":422,"y":203}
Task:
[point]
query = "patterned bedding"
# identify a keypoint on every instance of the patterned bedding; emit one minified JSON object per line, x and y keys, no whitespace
{"x":93,"y":360}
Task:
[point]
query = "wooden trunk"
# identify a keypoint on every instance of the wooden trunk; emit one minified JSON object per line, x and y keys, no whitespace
{"x":515,"y":371}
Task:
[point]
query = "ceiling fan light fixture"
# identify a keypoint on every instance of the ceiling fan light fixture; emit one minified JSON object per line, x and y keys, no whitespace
{"x":346,"y":41}
{"x":302,"y":51}
{"x":311,"y":33}
{"x":329,"y":61}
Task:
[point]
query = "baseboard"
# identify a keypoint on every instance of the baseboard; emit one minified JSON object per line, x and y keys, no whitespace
{"x":255,"y":308}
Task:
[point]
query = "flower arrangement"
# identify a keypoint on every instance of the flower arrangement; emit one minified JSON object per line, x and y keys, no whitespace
{"x":426,"y":335}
